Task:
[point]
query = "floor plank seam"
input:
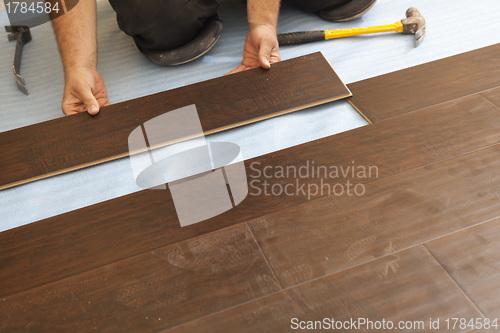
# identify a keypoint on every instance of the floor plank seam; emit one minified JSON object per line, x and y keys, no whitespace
{"x":427,"y":107}
{"x":488,"y":100}
{"x":217,"y":312}
{"x":463,"y":229}
{"x":361,"y":112}
{"x":455,"y":282}
{"x":264,"y":256}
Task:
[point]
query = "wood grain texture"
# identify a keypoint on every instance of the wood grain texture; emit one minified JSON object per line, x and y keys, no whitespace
{"x":148,"y":293}
{"x":70,"y":143}
{"x":85,"y":239}
{"x":472,"y":258}
{"x":407,"y":286}
{"x":429,"y":84}
{"x":334,"y":233}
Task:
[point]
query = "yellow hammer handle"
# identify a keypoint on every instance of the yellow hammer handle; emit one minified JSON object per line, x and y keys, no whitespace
{"x":330,"y":34}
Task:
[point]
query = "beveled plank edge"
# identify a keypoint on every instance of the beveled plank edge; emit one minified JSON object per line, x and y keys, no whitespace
{"x":449,"y":275}
{"x":345,"y":85}
{"x":494,"y":220}
{"x":357,"y":108}
{"x":263,"y":255}
{"x":483,"y":94}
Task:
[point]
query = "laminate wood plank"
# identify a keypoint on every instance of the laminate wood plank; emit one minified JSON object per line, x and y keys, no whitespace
{"x":409,"y":286}
{"x":429,"y":84}
{"x":332,"y":234}
{"x":70,"y":143}
{"x":493,"y":96}
{"x":150,"y":292}
{"x":94,"y":236}
{"x":472,"y":258}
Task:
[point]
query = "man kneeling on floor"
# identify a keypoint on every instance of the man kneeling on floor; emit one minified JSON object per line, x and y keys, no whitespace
{"x":173,"y":32}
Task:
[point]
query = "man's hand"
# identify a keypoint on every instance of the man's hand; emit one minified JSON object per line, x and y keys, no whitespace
{"x":84,"y":91}
{"x":76,"y":33}
{"x":261,"y":45}
{"x":261,"y":49}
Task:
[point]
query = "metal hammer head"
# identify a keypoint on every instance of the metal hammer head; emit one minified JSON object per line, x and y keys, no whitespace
{"x":16,"y":30}
{"x":414,"y":24}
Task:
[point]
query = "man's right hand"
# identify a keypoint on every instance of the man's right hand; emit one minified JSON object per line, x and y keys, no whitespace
{"x":84,"y":91}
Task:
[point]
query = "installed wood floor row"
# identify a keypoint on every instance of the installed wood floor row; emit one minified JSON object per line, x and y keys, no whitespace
{"x":150,"y":292}
{"x":408,"y":287}
{"x":194,"y":279}
{"x":95,"y":236}
{"x":329,"y":235}
{"x":429,"y":84}
{"x":418,"y":289}
{"x":70,"y":143}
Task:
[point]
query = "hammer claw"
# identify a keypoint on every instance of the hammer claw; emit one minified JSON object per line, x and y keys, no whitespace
{"x":420,"y":33}
{"x":420,"y":38}
{"x":21,"y":82}
{"x":22,"y":35}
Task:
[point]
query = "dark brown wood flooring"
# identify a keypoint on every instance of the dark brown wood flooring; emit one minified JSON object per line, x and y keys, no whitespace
{"x":420,"y":243}
{"x":146,"y":220}
{"x":429,"y":84}
{"x":70,"y":143}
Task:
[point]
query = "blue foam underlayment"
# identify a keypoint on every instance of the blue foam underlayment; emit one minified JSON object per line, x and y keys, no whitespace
{"x":452,"y":27}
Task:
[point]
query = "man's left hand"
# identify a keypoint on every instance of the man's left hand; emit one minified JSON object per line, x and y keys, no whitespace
{"x":261,"y":49}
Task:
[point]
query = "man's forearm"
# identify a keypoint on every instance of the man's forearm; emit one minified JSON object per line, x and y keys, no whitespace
{"x":263,"y":12}
{"x":76,"y":33}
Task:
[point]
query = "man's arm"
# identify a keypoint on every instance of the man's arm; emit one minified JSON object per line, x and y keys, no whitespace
{"x":261,"y":45}
{"x":76,"y":33}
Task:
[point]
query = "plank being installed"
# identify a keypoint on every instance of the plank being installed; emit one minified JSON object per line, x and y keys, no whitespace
{"x":94,"y":236}
{"x":329,"y":235}
{"x":150,"y":292}
{"x":65,"y":144}
{"x":472,"y":258}
{"x":408,"y":286}
{"x":429,"y":84}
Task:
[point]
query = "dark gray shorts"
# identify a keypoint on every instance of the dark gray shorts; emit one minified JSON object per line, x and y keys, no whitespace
{"x":168,"y":24}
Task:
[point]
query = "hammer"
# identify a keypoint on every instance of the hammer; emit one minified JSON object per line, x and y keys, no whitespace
{"x":414,"y":24}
